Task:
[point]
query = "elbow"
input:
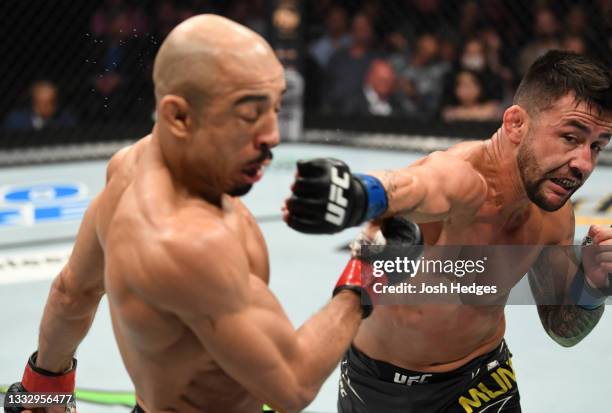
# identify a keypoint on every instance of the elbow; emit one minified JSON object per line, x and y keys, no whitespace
{"x":72,"y":303}
{"x":563,"y":340}
{"x":296,"y":400}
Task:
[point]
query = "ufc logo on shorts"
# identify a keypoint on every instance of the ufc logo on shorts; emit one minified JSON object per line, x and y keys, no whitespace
{"x":409,"y":381}
{"x":336,"y":207}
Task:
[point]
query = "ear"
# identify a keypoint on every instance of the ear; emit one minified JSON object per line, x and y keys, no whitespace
{"x":175,"y":114}
{"x":515,"y":123}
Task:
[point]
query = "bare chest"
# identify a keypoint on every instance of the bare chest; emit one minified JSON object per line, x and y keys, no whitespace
{"x":509,"y":246}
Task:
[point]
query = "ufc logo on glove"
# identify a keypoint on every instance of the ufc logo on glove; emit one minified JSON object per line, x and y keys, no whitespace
{"x":336,"y":207}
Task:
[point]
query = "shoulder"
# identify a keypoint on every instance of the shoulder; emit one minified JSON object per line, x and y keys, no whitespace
{"x":194,"y":258}
{"x":458,"y":161}
{"x":467,"y":150}
{"x":199,"y":243}
{"x":125,"y":155}
{"x":116,"y":161}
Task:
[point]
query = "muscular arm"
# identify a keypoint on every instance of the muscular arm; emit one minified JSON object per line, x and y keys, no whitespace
{"x":75,"y":292}
{"x":434,"y":188}
{"x":73,"y":299}
{"x":550,"y":278}
{"x":242,"y":325}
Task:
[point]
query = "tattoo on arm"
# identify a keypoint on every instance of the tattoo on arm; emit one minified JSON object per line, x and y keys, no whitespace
{"x":568,"y":324}
{"x":389,"y":183}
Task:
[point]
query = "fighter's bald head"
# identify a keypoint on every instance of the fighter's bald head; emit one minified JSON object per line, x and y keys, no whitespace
{"x":205,"y":54}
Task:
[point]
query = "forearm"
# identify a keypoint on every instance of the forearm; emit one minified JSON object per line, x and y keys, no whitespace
{"x":324,"y":338}
{"x":66,"y":319}
{"x":405,"y":193}
{"x":569,"y":324}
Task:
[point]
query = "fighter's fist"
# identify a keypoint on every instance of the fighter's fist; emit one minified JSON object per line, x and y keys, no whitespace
{"x":327,"y":198}
{"x":597,"y":260}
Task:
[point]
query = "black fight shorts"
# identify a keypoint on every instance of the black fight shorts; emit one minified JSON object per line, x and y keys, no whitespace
{"x":485,"y":384}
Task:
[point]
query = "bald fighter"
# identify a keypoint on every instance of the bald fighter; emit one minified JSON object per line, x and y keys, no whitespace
{"x":181,"y":259}
{"x":512,"y":189}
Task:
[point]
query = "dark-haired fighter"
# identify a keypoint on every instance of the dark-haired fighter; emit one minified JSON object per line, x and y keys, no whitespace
{"x":181,"y":259}
{"x":510,"y":189}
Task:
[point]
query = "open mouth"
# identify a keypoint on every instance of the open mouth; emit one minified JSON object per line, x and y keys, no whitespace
{"x":253,"y":172}
{"x":565,"y":183}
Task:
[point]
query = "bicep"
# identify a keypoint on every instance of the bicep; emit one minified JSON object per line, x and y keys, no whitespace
{"x":437,"y":187}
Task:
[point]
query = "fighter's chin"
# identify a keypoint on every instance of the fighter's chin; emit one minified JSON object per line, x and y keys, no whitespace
{"x":240,"y":190}
{"x":548,"y":201}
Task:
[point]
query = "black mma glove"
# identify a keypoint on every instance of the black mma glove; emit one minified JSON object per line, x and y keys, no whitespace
{"x":327,"y":198}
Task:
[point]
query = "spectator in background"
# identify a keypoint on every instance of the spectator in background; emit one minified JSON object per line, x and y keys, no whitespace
{"x":347,"y":67}
{"x":448,"y":50}
{"x":397,"y":47}
{"x":496,"y":60}
{"x":601,"y":22}
{"x":421,"y":82}
{"x":576,"y":21}
{"x":251,"y":13}
{"x":546,"y":31}
{"x":315,"y":14}
{"x":573,"y":43}
{"x":120,"y":84}
{"x":44,"y":111}
{"x":377,"y":95}
{"x":166,"y":18}
{"x":470,"y":104}
{"x":470,"y":20}
{"x":336,"y":36}
{"x":581,"y":33}
{"x":168,"y":13}
{"x":432,"y":15}
{"x":101,"y":20}
{"x":474,"y":58}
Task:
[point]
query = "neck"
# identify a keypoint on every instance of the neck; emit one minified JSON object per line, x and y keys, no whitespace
{"x":503,"y":175}
{"x":184,"y":177}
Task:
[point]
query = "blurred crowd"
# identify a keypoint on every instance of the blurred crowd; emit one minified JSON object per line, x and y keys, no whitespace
{"x":431,"y":59}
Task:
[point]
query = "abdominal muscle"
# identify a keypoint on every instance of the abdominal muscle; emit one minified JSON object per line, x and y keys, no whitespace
{"x":430,"y":338}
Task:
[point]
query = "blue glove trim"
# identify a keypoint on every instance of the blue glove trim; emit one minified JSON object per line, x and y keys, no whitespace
{"x":377,"y":197}
{"x":583,"y":295}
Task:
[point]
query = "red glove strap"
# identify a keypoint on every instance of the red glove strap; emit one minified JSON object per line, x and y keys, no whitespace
{"x":36,"y":382}
{"x":354,"y":273}
{"x":351,"y":274}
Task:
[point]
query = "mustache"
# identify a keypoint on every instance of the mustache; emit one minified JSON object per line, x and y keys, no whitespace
{"x":572,"y":173}
{"x":266,"y":154}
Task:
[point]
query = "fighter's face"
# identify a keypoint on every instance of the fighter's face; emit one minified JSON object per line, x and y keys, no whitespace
{"x":241,"y":127}
{"x":560,"y":150}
